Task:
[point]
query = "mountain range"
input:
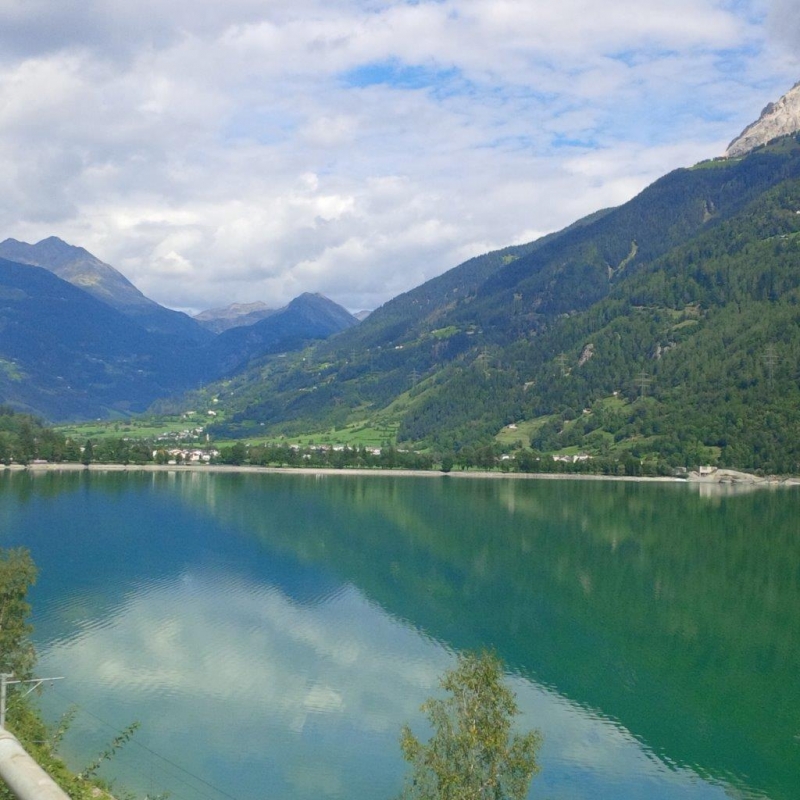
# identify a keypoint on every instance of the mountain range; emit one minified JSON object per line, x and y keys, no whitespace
{"x":235,"y":315}
{"x":78,"y":340}
{"x":83,"y":270}
{"x":665,"y":329}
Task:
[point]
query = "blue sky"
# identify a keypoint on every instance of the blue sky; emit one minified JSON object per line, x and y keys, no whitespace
{"x":253,"y":150}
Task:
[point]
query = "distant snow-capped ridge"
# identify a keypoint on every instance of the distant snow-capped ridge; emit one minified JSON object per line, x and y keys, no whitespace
{"x":777,"y":119}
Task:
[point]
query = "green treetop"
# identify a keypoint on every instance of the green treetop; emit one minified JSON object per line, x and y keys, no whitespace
{"x":17,"y":573}
{"x":472,"y":754}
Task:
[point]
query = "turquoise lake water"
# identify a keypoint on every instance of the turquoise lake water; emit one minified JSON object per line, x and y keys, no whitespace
{"x":271,"y":633}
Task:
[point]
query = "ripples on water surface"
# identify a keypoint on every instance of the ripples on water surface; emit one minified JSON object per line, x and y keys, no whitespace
{"x":272,"y":633}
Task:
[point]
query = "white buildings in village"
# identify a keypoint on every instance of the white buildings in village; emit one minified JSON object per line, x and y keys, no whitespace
{"x":187,"y":456}
{"x":574,"y":459}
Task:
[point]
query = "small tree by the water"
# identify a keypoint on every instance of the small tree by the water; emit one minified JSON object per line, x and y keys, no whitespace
{"x":472,"y":753}
{"x":17,"y":573}
{"x":17,"y":658}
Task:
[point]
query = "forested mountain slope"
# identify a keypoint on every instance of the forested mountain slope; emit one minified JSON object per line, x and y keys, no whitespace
{"x":667,"y":325}
{"x":421,"y":309}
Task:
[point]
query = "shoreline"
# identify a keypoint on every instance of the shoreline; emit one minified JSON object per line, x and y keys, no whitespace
{"x":720,"y":478}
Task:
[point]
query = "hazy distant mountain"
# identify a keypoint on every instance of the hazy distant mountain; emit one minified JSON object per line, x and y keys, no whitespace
{"x":309,"y":316}
{"x":235,"y":315}
{"x":777,"y":119}
{"x":64,"y":354}
{"x":80,"y":268}
{"x":362,"y":315}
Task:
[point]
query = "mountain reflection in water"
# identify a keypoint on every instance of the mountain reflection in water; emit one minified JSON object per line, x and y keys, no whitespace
{"x":272,"y":633}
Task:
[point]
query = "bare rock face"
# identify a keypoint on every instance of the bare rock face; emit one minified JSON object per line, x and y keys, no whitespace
{"x":777,"y":119}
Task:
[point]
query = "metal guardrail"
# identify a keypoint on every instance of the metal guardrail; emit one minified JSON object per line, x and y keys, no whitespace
{"x":23,"y":776}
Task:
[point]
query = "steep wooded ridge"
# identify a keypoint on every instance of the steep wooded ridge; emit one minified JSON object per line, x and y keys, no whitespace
{"x":668,"y":326}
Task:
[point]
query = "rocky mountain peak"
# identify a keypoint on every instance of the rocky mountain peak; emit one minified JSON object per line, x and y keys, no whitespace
{"x":777,"y":119}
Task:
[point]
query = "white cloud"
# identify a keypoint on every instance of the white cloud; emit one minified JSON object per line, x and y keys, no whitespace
{"x":252,"y":150}
{"x":784,"y":23}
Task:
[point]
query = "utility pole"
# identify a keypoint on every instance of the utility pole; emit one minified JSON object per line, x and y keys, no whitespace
{"x":483,"y":358}
{"x":3,"y":694}
{"x":644,"y":382}
{"x":6,"y":680}
{"x":771,"y":359}
{"x":562,"y":364}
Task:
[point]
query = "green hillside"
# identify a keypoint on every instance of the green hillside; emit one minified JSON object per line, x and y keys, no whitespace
{"x":663,"y":329}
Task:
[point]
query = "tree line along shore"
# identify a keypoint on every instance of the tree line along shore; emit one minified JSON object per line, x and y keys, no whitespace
{"x":26,"y":442}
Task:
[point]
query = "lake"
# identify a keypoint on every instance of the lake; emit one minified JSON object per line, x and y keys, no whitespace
{"x":271,"y":633}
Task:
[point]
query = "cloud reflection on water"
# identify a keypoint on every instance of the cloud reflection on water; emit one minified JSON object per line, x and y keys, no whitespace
{"x":254,"y":691}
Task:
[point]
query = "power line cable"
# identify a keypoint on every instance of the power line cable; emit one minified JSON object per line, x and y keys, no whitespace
{"x":151,"y":751}
{"x":125,"y":754}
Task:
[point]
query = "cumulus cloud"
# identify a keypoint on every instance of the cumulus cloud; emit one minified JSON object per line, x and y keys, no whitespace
{"x":218,"y":152}
{"x":784,"y":23}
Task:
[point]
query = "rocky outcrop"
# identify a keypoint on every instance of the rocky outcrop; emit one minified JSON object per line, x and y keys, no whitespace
{"x":714,"y":475}
{"x":777,"y":119}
